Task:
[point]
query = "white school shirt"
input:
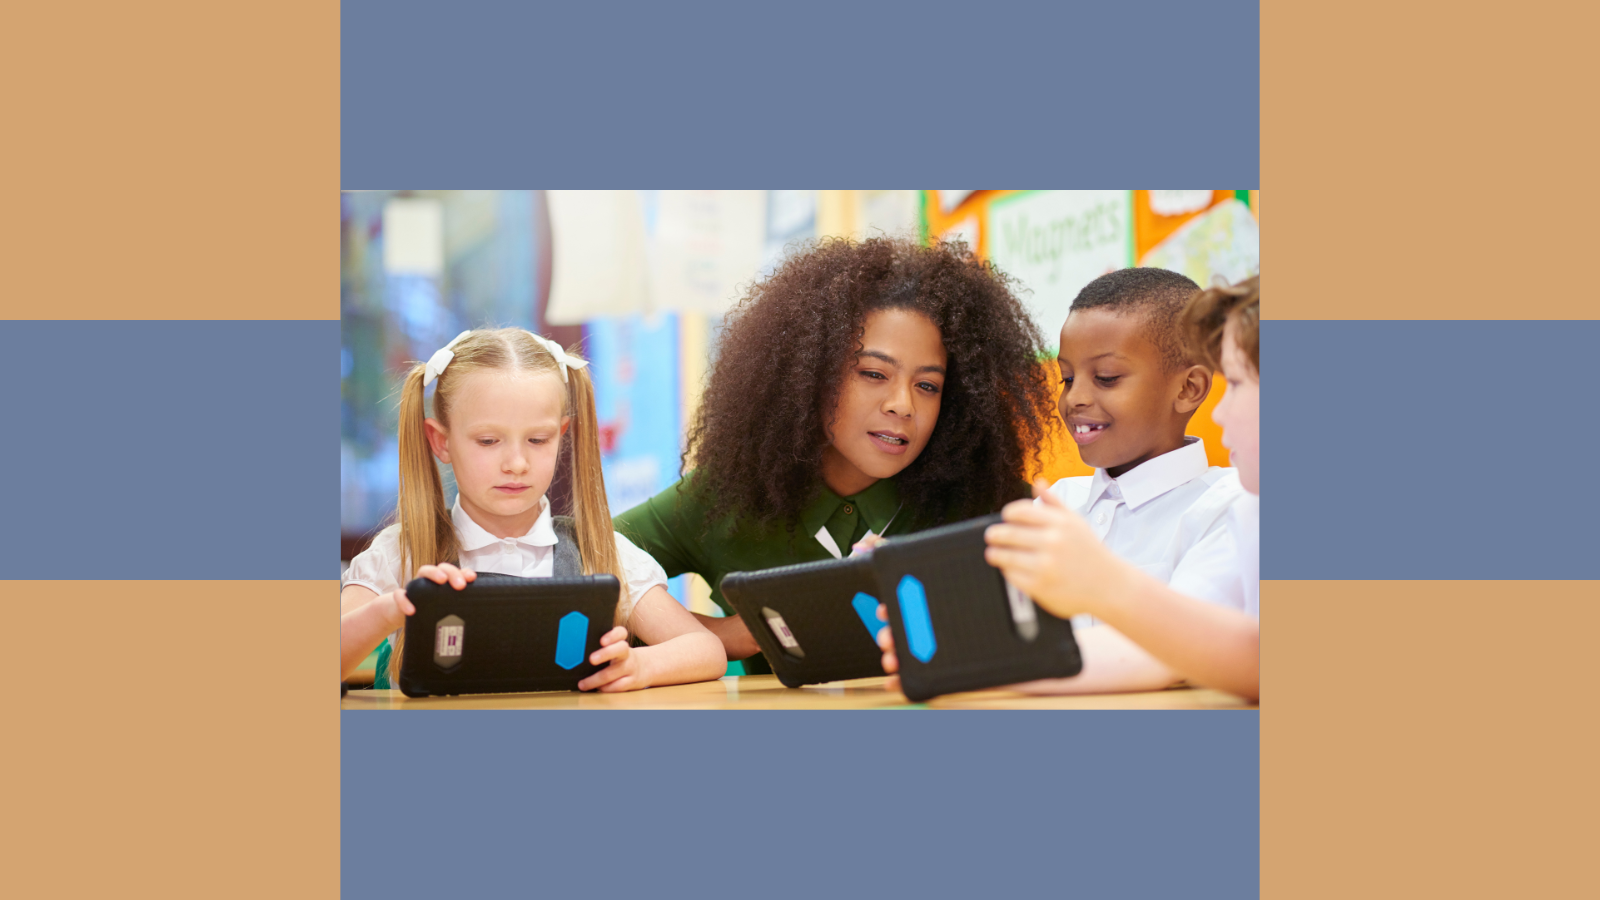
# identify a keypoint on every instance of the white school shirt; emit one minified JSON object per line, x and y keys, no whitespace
{"x":1247,"y":536}
{"x":530,"y":556}
{"x":1170,"y":516}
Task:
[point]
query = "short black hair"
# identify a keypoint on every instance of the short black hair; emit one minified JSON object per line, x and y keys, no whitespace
{"x":1156,"y":294}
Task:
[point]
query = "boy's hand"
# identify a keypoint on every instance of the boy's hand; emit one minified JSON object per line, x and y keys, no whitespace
{"x":891,"y":664}
{"x":445,"y":572}
{"x":1051,"y":554}
{"x":392,"y":608}
{"x":626,"y":669}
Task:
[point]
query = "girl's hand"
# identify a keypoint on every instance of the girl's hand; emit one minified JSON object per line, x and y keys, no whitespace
{"x":443,"y":572}
{"x":891,"y":664}
{"x":626,"y":669}
{"x":392,"y":608}
{"x":1051,"y":554}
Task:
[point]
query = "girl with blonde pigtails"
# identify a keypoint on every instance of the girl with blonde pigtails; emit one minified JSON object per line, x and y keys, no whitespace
{"x":508,"y":406}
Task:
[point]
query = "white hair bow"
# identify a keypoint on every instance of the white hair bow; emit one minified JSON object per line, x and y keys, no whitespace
{"x":562,"y":359}
{"x":439,"y":360}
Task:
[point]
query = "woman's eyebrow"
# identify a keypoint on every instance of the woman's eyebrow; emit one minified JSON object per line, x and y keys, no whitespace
{"x":879,"y":354}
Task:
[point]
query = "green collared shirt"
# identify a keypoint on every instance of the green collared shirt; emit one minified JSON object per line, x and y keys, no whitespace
{"x":671,"y":527}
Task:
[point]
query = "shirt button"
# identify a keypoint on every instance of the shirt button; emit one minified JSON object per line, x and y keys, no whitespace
{"x":848,"y":509}
{"x":1100,"y":519}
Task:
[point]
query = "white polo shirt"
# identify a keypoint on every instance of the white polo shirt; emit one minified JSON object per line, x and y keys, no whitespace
{"x":1171,"y":517}
{"x":530,"y":556}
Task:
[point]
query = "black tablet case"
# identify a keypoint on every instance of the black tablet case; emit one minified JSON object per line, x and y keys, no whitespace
{"x":510,"y":631}
{"x":976,"y":642}
{"x":816,"y":601}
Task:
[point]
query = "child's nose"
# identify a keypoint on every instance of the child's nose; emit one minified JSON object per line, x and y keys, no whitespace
{"x":1076,"y":395}
{"x":517,"y":461}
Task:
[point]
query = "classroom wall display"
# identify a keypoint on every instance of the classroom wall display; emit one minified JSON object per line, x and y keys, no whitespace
{"x":1055,"y":242}
{"x":1222,"y":243}
{"x":633,"y":361}
{"x":1046,"y":241}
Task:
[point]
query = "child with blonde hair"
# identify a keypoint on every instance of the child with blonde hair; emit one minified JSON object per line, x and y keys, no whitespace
{"x":508,"y":406}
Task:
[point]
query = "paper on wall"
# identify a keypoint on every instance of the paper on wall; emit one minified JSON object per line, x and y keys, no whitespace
{"x":598,"y":261}
{"x":413,"y":236}
{"x":706,"y":248}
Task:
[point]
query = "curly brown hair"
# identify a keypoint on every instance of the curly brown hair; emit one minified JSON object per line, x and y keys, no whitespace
{"x":757,"y":439}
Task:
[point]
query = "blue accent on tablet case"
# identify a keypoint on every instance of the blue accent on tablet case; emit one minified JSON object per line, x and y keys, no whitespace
{"x":867,"y":608}
{"x":914,"y":610}
{"x":570,"y":639}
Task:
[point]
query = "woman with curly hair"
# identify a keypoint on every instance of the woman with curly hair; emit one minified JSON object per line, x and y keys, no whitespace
{"x":865,"y":387}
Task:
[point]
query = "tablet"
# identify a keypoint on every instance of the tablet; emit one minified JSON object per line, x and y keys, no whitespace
{"x":815,"y":622}
{"x":957,"y":624}
{"x":502,"y":634}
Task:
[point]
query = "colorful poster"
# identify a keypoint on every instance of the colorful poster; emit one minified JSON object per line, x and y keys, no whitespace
{"x":1222,"y":243}
{"x":949,"y":200}
{"x":633,"y":361}
{"x":1055,"y":242}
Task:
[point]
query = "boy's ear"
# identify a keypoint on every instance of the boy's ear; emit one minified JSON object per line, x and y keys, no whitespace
{"x":436,"y":439}
{"x":1193,"y":389}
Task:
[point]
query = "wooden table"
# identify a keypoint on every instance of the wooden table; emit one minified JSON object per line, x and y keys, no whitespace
{"x":764,"y":692}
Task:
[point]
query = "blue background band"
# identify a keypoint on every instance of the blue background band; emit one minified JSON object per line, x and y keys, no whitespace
{"x":590,"y":95}
{"x":1430,"y":450}
{"x":171,"y":450}
{"x":557,"y":803}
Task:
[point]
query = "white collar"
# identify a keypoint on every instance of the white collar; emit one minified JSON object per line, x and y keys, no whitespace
{"x":474,"y":537}
{"x":1154,"y":477}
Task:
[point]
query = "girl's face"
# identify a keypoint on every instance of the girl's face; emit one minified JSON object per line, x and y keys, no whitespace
{"x":888,"y":401}
{"x":1239,"y":412}
{"x":504,"y":435}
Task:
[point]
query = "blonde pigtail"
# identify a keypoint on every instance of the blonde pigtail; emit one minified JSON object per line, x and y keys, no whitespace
{"x":427,"y":536}
{"x":591,"y":513}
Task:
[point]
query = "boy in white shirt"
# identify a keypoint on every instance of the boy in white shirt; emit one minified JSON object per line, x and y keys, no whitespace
{"x":1130,"y":386}
{"x":1128,"y":391}
{"x":1050,"y":552}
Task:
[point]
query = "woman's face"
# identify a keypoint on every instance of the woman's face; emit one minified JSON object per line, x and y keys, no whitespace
{"x":1239,"y":411}
{"x":888,"y":401}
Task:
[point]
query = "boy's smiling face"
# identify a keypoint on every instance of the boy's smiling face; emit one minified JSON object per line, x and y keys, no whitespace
{"x":1120,"y":403}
